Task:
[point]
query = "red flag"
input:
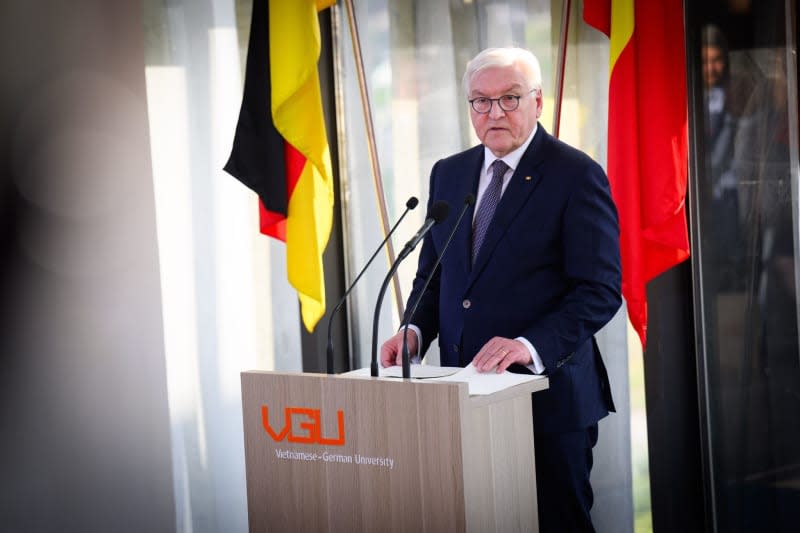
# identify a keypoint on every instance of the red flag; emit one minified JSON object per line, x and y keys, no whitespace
{"x":647,"y":138}
{"x":281,"y":149}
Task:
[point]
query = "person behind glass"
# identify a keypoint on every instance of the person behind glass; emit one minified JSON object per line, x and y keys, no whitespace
{"x":530,"y":292}
{"x":720,"y":138}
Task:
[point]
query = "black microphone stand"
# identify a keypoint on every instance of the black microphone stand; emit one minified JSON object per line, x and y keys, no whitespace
{"x":376,"y":317}
{"x":410,"y":204}
{"x":438,"y":212}
{"x":468,"y":201}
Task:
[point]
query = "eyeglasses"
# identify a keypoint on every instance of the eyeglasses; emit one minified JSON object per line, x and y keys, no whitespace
{"x":507,"y":102}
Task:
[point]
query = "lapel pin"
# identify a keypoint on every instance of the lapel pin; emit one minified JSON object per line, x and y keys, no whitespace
{"x":528,"y":178}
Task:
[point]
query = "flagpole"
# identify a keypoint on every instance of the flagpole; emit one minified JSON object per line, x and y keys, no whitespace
{"x":561,"y":63}
{"x":372,"y":148}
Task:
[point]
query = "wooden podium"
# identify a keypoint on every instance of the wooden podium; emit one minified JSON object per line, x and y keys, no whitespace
{"x":339,"y":453}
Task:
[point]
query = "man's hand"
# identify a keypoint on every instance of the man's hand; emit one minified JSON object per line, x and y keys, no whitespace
{"x":392,"y":349}
{"x":501,"y":353}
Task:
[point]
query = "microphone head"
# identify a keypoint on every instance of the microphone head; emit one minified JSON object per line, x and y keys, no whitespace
{"x":439,"y":211}
{"x":412,"y":202}
{"x":469,"y":199}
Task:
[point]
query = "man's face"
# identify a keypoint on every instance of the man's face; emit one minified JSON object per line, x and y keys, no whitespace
{"x":713,"y":66}
{"x":504,"y":131}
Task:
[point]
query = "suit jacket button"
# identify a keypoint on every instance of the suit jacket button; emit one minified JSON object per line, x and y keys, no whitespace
{"x":466,"y":304}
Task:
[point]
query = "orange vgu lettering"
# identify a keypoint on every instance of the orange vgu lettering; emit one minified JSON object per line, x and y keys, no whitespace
{"x":312,"y":426}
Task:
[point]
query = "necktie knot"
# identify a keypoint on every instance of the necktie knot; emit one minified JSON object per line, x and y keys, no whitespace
{"x":499,"y":169}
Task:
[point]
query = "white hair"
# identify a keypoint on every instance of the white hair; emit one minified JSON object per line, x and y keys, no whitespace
{"x":522,"y":59}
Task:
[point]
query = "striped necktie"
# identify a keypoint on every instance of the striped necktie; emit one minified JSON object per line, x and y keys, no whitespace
{"x":487,"y":207}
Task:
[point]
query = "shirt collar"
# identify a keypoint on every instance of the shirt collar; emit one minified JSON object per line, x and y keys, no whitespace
{"x":716,"y":99}
{"x":512,"y":158}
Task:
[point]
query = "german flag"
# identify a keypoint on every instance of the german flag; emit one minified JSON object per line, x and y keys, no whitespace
{"x":280,"y":149}
{"x":647,"y":138}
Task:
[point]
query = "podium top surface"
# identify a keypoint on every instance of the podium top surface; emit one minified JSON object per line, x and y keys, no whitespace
{"x":492,"y":387}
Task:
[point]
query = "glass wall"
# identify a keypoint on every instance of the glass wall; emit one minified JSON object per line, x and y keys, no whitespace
{"x":744,"y":230}
{"x":415,"y":53}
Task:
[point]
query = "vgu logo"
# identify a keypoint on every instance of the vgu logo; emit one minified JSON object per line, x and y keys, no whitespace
{"x":309,"y":421}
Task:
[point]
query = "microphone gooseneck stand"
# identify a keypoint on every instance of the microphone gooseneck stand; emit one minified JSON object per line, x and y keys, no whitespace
{"x":468,"y":201}
{"x":437,"y":213}
{"x":410,"y":204}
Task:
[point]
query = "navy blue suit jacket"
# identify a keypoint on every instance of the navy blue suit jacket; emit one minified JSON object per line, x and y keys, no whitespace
{"x":548,"y":270}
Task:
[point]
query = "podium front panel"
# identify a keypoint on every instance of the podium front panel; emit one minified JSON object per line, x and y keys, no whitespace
{"x":331,"y":453}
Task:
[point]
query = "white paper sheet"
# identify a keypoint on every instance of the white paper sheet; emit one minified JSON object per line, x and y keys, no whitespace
{"x":487,"y":382}
{"x":480,"y":383}
{"x":417,"y":371}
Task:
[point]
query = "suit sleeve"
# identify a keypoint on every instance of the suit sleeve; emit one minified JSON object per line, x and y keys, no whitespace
{"x":592,"y":265}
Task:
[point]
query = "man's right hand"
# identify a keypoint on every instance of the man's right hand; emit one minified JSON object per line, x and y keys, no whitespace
{"x":392,"y":349}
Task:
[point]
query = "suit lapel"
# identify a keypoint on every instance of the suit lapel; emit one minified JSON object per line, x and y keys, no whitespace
{"x":522,"y":184}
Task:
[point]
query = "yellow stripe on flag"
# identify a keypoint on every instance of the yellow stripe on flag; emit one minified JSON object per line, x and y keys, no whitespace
{"x":622,"y":23}
{"x":297,"y":114}
{"x":306,"y":237}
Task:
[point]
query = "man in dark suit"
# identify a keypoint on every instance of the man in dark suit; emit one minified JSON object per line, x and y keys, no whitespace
{"x":529,"y":283}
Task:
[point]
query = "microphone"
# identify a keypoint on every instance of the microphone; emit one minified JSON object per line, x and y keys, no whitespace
{"x":469,"y":200}
{"x":437,"y":213}
{"x":410,"y":204}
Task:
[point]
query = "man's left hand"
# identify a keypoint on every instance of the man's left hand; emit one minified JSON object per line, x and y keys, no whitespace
{"x":500,"y":353}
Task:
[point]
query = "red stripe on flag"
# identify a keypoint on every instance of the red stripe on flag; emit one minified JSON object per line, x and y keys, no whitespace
{"x":271,"y":223}
{"x":597,"y":13}
{"x":295,"y":161}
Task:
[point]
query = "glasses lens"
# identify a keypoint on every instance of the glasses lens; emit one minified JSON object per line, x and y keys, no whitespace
{"x":481,"y":105}
{"x":508,"y":102}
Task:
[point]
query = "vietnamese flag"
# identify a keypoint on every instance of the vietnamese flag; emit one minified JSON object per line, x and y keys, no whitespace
{"x":647,"y":138}
{"x":280,"y":149}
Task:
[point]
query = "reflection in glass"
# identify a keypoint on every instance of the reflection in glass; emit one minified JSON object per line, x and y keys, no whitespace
{"x":748,"y":264}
